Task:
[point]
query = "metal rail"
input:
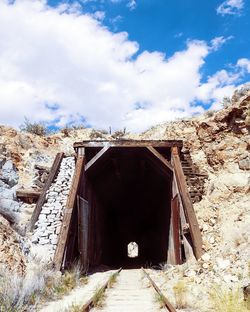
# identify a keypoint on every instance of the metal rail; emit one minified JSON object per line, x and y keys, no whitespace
{"x":89,"y":304}
{"x":167,"y":304}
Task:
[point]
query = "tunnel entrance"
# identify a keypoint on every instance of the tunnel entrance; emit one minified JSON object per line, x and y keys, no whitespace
{"x":131,"y":202}
{"x":129,"y":206}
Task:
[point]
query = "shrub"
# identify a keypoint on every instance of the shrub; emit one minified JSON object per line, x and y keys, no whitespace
{"x":180,"y":293}
{"x":37,"y":128}
{"x":210,"y":113}
{"x":118,"y":134}
{"x":226,"y":101}
{"x":66,"y":131}
{"x":222,"y":300}
{"x":96,"y":134}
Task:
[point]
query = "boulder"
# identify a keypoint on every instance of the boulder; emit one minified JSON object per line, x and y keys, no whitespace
{"x":8,"y":173}
{"x":244,"y":164}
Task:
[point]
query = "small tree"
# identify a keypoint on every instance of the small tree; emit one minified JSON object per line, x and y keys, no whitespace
{"x":226,"y":101}
{"x":37,"y":128}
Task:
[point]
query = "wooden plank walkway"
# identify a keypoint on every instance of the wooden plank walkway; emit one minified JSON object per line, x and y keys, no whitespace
{"x":131,"y":293}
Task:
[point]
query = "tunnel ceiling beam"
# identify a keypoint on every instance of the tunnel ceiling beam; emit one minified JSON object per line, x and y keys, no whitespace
{"x":160,"y":158}
{"x":98,"y":156}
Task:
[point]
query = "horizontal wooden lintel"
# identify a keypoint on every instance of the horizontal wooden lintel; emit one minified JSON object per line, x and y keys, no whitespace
{"x":128,"y":143}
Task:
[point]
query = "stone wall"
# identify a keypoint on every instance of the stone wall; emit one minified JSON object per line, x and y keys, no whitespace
{"x":48,"y":225}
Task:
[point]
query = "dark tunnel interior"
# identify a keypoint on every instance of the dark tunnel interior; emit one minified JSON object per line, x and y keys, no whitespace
{"x":130,"y":202}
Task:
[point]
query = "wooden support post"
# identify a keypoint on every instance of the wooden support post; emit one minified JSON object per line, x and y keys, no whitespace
{"x":70,"y":205}
{"x":187,"y":204}
{"x":53,"y":172}
{"x":175,"y":218}
{"x":83,"y":230}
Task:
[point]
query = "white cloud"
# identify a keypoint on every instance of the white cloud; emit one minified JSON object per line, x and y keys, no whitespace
{"x":221,"y":84}
{"x":217,"y":42}
{"x":178,"y":35}
{"x":131,"y":4}
{"x":231,"y":7}
{"x":244,"y":63}
{"x":59,"y":65}
{"x":99,"y":15}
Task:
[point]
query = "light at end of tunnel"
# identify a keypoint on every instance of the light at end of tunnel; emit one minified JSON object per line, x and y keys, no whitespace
{"x":133,"y":250}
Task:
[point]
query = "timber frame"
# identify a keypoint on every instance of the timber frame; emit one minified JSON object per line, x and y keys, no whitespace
{"x":184,"y":229}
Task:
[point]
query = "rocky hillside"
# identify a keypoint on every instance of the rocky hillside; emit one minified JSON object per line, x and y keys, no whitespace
{"x":219,"y":143}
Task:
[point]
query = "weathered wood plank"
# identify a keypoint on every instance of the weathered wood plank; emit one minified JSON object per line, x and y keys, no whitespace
{"x":91,"y":163}
{"x":53,"y":172}
{"x":70,"y":205}
{"x":128,"y":143}
{"x":158,"y":156}
{"x":175,"y":214}
{"x":28,"y":193}
{"x":83,"y":225}
{"x":187,"y":204}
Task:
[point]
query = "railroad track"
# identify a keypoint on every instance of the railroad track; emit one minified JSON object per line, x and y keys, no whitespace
{"x":128,"y":294}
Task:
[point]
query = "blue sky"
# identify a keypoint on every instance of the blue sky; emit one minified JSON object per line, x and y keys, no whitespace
{"x":120,"y":62}
{"x":162,"y":25}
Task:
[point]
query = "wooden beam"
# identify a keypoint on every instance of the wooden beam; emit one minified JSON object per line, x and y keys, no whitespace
{"x":28,"y":193}
{"x":91,"y":163}
{"x":53,"y":172}
{"x":157,"y":155}
{"x":187,"y":204}
{"x":175,"y":223}
{"x":128,"y":143}
{"x":70,"y":205}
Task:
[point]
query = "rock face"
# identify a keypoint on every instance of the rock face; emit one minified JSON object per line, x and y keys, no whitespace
{"x":50,"y":219}
{"x":219,"y":146}
{"x":11,"y":254}
{"x":8,"y":181}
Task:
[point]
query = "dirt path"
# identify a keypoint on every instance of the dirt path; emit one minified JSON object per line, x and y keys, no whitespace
{"x":131,"y":293}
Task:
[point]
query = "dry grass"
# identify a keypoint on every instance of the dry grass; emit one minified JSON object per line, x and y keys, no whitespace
{"x":112,"y":280}
{"x":98,"y":298}
{"x":75,"y":308}
{"x":160,"y":300}
{"x":222,"y":300}
{"x":57,"y":288}
{"x":180,"y":293}
{"x":24,"y":293}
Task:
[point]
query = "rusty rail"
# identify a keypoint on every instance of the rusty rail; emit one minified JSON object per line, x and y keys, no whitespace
{"x":167,"y":304}
{"x":90,"y":303}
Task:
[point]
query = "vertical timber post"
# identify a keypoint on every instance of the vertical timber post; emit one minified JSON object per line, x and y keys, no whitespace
{"x":187,"y":204}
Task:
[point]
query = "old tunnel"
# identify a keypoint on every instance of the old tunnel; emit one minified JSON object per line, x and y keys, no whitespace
{"x":129,"y":200}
